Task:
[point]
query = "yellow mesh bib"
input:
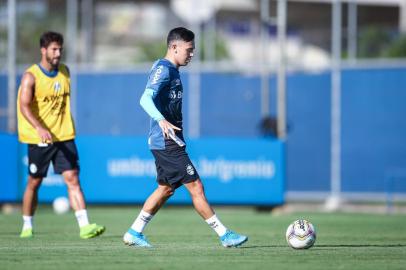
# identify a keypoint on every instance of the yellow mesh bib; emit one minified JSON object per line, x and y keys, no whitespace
{"x":50,"y":105}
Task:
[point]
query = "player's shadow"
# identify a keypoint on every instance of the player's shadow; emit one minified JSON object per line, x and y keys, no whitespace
{"x":331,"y":246}
{"x":363,"y":245}
{"x":112,"y":236}
{"x":263,"y":246}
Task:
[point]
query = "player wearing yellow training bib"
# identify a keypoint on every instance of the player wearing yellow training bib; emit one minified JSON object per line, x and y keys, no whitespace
{"x":45,"y":123}
{"x":50,"y":105}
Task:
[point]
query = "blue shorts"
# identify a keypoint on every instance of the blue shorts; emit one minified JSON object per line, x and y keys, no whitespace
{"x":174,"y":167}
{"x":64,"y":156}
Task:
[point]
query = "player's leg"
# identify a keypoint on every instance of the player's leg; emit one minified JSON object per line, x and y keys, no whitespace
{"x":155,"y":201}
{"x":75,"y":193}
{"x":228,"y":238}
{"x":66,"y":162}
{"x":30,"y":201}
{"x":38,"y":163}
{"x":199,"y":200}
{"x":164,"y":167}
{"x":30,"y":198}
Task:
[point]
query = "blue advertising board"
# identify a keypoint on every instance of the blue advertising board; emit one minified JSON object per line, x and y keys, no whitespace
{"x":122,"y":170}
{"x":9,"y":183}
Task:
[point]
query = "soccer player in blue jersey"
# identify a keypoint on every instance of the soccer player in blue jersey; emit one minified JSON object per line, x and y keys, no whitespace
{"x":162,"y":100}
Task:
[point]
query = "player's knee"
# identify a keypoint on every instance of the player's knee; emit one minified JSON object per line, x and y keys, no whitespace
{"x":71,"y":179}
{"x":34,"y":183}
{"x":167,"y":191}
{"x":197,"y":189}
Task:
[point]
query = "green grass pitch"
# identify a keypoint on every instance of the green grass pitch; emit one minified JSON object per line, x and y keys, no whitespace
{"x":182,"y":240}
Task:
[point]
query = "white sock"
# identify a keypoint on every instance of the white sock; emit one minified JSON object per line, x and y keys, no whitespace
{"x":141,"y":221}
{"x":27,"y":222}
{"x":216,"y":225}
{"x":81,"y":216}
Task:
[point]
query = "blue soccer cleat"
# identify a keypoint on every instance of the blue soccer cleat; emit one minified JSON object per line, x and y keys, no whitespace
{"x":133,"y":238}
{"x":232,"y":239}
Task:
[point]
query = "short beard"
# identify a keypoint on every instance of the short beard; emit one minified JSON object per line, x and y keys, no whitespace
{"x":54,"y":66}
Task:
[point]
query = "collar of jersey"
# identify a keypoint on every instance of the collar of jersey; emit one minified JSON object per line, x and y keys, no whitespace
{"x":51,"y":74}
{"x":170,"y":63}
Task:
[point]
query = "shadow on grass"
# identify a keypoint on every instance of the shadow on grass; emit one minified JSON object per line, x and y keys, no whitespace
{"x":264,"y":246}
{"x":363,"y":245}
{"x":329,"y":246}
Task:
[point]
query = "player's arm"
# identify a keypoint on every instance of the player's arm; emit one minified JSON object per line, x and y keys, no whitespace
{"x":147,"y":103}
{"x":158,"y":79}
{"x":26,"y":96}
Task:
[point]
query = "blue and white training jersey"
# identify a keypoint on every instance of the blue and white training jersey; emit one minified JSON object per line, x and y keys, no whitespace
{"x":162,"y":99}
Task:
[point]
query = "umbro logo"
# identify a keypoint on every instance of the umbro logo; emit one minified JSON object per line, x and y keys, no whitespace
{"x":176,"y":82}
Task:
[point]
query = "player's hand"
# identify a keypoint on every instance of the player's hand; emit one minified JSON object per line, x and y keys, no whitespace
{"x":45,"y":135}
{"x":166,"y":126}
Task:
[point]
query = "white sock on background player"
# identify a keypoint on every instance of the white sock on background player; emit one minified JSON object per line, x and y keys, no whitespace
{"x":81,"y":216}
{"x":27,"y":222}
{"x":141,"y":221}
{"x":216,"y":225}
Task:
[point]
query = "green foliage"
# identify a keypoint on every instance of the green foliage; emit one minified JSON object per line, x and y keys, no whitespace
{"x":397,"y":48}
{"x":372,"y":42}
{"x":150,"y":51}
{"x":3,"y":48}
{"x":221,"y":51}
{"x":381,"y":42}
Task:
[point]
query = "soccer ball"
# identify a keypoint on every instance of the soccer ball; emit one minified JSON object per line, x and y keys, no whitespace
{"x":301,"y":234}
{"x":61,"y":205}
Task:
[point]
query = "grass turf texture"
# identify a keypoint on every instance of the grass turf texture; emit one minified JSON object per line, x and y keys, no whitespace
{"x":182,"y":240}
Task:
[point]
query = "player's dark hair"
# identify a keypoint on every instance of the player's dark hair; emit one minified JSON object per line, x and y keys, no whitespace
{"x":179,"y":33}
{"x":49,"y":37}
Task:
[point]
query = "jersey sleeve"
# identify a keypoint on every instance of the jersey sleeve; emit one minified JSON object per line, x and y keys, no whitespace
{"x":147,"y":103}
{"x":158,"y":79}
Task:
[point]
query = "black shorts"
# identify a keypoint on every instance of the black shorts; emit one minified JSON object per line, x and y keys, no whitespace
{"x":174,"y":167}
{"x":64,"y":156}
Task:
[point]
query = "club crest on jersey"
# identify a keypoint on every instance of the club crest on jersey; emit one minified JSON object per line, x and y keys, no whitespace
{"x":57,"y":86}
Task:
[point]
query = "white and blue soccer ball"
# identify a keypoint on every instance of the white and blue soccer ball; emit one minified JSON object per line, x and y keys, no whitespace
{"x":301,"y":234}
{"x":61,"y":205}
